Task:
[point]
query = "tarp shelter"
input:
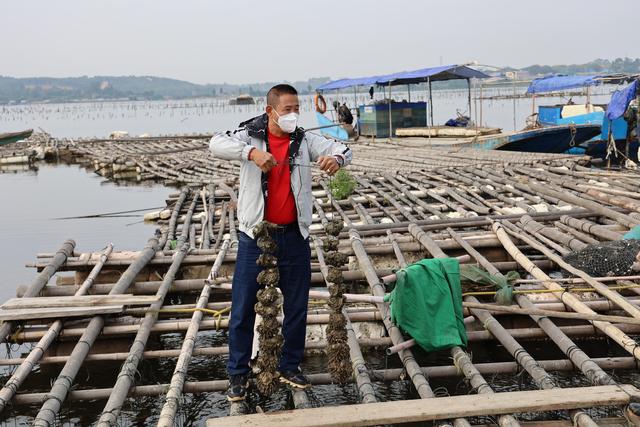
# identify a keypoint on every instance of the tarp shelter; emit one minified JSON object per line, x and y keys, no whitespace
{"x":423,"y":75}
{"x":560,"y":82}
{"x":620,"y":100}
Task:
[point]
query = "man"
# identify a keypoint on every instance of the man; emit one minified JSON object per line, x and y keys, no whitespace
{"x":275,"y":185}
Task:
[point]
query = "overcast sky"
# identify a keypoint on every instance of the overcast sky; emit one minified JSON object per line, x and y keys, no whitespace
{"x":242,"y":41}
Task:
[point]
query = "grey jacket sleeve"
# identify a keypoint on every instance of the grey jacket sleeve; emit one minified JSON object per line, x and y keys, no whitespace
{"x":320,"y":146}
{"x":231,"y":145}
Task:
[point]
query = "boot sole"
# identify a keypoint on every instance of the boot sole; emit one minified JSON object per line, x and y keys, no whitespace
{"x":295,"y":385}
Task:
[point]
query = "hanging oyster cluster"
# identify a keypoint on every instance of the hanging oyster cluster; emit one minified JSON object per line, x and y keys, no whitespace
{"x":268,"y":306}
{"x":338,"y":350}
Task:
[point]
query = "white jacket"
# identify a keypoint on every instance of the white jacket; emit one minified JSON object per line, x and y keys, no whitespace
{"x":251,"y":199}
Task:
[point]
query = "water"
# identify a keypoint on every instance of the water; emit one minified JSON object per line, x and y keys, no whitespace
{"x":32,"y":200}
{"x":205,"y":115}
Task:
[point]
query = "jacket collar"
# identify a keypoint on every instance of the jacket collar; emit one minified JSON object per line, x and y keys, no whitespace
{"x":257,"y":128}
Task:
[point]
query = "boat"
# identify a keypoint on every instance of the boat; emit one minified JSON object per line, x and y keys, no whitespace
{"x":413,"y":122}
{"x":331,"y":129}
{"x":583,"y":113}
{"x":11,"y":137}
{"x":550,"y":139}
{"x":242,"y":100}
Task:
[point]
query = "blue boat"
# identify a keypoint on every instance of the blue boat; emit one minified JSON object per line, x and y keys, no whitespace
{"x":331,"y":129}
{"x":551,"y":139}
{"x":580,"y":114}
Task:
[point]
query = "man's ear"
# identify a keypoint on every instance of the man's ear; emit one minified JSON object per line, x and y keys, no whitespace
{"x":268,"y":109}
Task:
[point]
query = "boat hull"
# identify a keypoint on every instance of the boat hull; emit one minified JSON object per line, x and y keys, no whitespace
{"x":336,"y":132}
{"x":9,"y":138}
{"x":553,"y":139}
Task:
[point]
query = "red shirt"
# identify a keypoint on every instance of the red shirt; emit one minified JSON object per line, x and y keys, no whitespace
{"x":281,"y":206}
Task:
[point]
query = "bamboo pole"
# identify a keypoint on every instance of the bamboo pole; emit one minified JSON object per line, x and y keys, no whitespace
{"x":130,"y":366}
{"x":417,"y":377}
{"x":12,"y":385}
{"x":173,"y":326}
{"x":532,"y":226}
{"x":477,"y":381}
{"x":171,"y":231}
{"x":51,"y":406}
{"x":596,"y":375}
{"x":521,"y":356}
{"x":471,"y":304}
{"x":172,"y":400}
{"x":623,"y":219}
{"x":602,"y":289}
{"x":460,"y":357}
{"x":394,"y":374}
{"x":365,"y":388}
{"x":566,"y":297}
{"x":41,"y":280}
{"x":590,"y":227}
{"x":221,"y":225}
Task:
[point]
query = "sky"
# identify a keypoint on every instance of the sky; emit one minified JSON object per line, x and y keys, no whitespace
{"x":244,"y":41}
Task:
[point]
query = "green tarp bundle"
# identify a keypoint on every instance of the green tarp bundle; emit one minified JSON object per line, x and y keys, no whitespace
{"x":426,"y":303}
{"x":504,"y":295}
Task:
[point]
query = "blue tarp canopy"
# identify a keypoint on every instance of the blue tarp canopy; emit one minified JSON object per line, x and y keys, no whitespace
{"x":620,"y":100}
{"x":560,"y":82}
{"x":444,"y":72}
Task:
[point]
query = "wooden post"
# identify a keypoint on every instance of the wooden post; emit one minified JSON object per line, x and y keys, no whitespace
{"x":430,"y":102}
{"x":390,"y":115}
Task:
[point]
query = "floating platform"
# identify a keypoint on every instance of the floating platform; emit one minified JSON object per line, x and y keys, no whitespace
{"x":557,"y":345}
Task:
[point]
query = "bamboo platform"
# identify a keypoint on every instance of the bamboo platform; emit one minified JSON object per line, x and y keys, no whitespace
{"x":186,"y":160}
{"x":502,"y":211}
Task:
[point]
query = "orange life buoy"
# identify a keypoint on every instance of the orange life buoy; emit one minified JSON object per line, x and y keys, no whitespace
{"x":321,"y":104}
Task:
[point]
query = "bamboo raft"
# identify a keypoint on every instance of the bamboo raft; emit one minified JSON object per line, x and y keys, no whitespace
{"x":567,"y":337}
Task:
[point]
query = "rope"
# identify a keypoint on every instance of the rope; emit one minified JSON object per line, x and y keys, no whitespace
{"x":217,"y":314}
{"x":544,"y":291}
{"x":573,"y":131}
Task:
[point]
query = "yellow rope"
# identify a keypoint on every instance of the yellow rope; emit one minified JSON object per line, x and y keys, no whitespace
{"x":544,"y":291}
{"x":193,"y":310}
{"x":215,"y":313}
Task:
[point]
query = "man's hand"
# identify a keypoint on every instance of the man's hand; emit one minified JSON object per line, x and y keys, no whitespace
{"x":329,"y":164}
{"x":265,"y":161}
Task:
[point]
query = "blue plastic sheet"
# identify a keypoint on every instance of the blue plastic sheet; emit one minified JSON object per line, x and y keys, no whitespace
{"x":620,"y":101}
{"x":444,"y":72}
{"x":561,"y":82}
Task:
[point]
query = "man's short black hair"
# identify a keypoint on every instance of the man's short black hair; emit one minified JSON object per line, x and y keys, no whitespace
{"x":274,"y":93}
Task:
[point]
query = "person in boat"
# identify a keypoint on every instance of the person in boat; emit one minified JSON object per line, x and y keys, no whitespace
{"x":275,"y":185}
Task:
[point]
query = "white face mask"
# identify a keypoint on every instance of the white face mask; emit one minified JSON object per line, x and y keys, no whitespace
{"x":287,"y":122}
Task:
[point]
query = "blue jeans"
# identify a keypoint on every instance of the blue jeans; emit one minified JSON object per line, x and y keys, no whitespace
{"x":294,"y":263}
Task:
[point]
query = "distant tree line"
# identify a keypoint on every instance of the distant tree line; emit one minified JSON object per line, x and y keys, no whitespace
{"x":618,"y":65}
{"x":68,"y":89}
